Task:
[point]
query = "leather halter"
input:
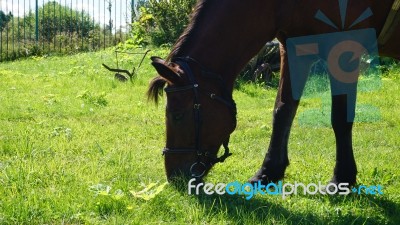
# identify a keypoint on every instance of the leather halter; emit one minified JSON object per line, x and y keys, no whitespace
{"x":225,"y":99}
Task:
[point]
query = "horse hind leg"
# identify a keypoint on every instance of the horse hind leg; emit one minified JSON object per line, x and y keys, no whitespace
{"x":276,"y":159}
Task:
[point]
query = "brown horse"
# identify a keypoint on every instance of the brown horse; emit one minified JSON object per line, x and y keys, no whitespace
{"x":221,"y":38}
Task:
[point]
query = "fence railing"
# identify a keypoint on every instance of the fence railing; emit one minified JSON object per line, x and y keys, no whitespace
{"x":31,"y":27}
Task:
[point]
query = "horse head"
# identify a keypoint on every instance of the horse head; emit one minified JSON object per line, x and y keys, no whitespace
{"x":200,"y":116}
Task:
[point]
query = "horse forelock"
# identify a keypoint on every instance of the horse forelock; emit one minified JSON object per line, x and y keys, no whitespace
{"x":156,"y":89}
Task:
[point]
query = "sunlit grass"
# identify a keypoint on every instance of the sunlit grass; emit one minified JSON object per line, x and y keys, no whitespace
{"x":77,"y":146}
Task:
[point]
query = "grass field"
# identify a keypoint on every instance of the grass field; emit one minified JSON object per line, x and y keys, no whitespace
{"x":78,"y":147}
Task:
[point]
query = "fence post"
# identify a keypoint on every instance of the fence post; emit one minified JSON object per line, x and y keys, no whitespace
{"x":132,"y":10}
{"x":37,"y":22}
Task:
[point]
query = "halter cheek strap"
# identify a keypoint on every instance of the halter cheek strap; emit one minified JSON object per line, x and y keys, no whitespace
{"x":199,"y":165}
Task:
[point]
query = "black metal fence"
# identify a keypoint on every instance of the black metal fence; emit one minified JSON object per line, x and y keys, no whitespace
{"x":36,"y":27}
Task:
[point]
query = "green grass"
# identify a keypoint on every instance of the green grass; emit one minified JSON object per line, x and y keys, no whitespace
{"x":77,"y":147}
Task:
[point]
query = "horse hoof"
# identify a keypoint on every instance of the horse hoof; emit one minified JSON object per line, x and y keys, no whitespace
{"x":263,"y":178}
{"x":350,"y":181}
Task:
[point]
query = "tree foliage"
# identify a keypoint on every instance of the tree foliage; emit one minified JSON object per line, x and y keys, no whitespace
{"x":161,"y":21}
{"x":61,"y":30}
{"x":55,"y":19}
{"x":4,"y":19}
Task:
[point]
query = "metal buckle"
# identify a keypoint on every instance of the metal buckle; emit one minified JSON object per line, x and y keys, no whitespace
{"x":201,"y":164}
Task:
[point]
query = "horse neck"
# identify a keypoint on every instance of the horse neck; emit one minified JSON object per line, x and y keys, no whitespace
{"x":226,"y":34}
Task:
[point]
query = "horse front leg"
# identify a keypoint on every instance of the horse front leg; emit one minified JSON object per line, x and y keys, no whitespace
{"x":276,"y":159}
{"x":345,"y":169}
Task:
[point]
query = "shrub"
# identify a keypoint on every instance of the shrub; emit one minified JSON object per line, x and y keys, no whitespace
{"x":161,"y":21}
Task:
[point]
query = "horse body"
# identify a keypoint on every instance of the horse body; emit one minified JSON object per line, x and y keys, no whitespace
{"x":222,"y":37}
{"x":302,"y":20}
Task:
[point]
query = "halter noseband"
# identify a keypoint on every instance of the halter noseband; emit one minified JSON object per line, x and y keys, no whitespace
{"x":183,"y":62}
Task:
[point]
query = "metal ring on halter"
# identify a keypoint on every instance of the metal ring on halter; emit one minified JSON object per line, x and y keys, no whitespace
{"x":201,"y":174}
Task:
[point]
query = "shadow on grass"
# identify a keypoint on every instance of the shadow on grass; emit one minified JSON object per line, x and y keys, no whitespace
{"x":379,"y":203}
{"x":236,"y":209}
{"x":242,"y":211}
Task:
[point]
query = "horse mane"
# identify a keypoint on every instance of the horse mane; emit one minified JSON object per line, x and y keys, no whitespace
{"x":158,"y":83}
{"x":183,"y":40}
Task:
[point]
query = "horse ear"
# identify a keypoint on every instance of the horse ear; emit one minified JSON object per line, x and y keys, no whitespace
{"x":165,"y":71}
